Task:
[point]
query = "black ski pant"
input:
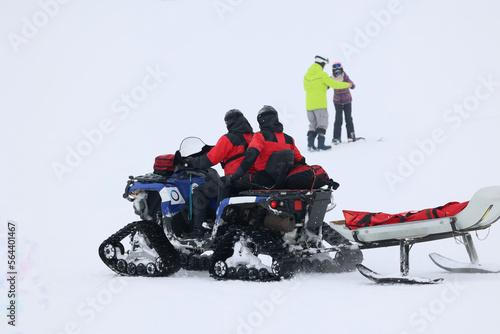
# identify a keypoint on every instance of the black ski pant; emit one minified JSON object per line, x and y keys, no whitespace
{"x":340,"y":111}
{"x":213,"y":188}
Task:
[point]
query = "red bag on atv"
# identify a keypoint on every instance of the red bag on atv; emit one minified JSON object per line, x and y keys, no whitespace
{"x":307,"y":177}
{"x":164,"y":165}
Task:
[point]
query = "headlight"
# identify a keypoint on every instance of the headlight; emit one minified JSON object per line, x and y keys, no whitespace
{"x":141,"y":204}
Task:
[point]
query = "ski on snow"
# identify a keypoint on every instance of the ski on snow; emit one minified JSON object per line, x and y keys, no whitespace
{"x":355,"y":140}
{"x":460,"y":267}
{"x":381,"y":279}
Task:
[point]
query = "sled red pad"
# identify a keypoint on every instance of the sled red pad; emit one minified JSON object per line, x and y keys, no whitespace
{"x":164,"y":165}
{"x":357,"y":219}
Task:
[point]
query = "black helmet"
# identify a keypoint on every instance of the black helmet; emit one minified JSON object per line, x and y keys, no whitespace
{"x":268,"y":119}
{"x":231,"y":116}
{"x":264,"y":113}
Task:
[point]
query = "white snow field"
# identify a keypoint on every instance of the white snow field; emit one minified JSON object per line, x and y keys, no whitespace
{"x":92,"y":91}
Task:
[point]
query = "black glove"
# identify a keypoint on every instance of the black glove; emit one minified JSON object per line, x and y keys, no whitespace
{"x":177,"y":158}
{"x":227,"y":180}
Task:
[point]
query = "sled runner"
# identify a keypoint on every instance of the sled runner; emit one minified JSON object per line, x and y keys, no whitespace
{"x":377,"y":278}
{"x":480,"y":213}
{"x":459,"y":267}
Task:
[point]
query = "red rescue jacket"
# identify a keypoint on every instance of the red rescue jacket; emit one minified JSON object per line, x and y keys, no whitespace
{"x":268,"y":142}
{"x":230,"y":151}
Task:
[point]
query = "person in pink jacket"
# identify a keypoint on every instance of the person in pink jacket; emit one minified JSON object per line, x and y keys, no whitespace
{"x":343,"y":105}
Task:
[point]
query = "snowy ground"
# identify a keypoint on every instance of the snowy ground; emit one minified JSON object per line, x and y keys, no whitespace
{"x":92,"y":91}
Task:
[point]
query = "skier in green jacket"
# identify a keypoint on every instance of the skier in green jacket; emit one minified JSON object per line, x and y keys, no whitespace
{"x":316,"y":83}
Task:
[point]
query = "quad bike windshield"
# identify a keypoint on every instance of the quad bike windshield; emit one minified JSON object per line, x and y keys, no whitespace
{"x":192,"y":146}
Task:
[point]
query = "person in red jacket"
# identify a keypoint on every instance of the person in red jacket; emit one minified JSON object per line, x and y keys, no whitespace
{"x":229,"y":152}
{"x":270,"y":139}
{"x":230,"y":148}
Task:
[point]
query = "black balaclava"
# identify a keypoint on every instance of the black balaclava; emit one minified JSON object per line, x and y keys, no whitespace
{"x":268,"y":119}
{"x":236,"y":122}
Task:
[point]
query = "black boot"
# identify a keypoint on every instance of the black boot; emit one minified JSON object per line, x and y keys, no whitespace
{"x":198,"y":230}
{"x":311,"y":136}
{"x":321,"y":143}
{"x":200,"y":203}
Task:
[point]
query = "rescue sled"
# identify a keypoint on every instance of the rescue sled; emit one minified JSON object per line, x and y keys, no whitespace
{"x":479,"y":213}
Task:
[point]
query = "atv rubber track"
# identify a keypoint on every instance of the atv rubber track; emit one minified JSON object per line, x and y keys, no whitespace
{"x":168,"y":255}
{"x":269,"y":243}
{"x":347,"y":257}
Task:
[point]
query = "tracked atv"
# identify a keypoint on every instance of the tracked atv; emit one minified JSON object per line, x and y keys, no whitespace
{"x":257,"y":235}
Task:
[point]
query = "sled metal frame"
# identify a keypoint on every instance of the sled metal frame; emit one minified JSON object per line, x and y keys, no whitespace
{"x":406,"y":244}
{"x":469,"y":246}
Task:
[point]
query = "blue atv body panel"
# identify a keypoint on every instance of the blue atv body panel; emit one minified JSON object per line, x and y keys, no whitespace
{"x":175,"y":193}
